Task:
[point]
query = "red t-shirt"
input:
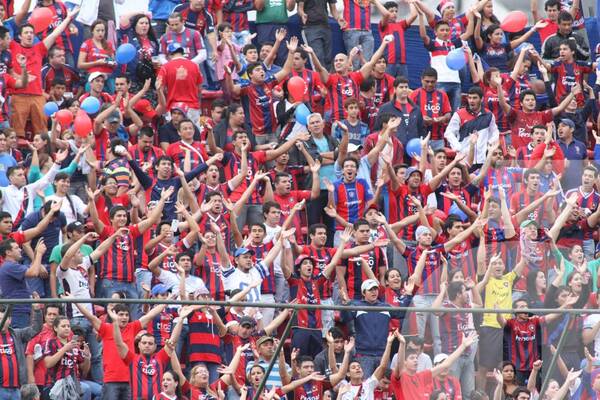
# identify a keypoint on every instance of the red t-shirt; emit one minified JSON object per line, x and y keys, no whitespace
{"x":35,"y":56}
{"x":287,"y":202}
{"x":95,"y":53}
{"x":181,"y":77}
{"x":115,"y":368}
{"x":39,"y":367}
{"x":412,"y":387}
{"x":522,"y":122}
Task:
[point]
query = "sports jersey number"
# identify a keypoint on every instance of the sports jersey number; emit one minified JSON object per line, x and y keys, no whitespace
{"x":254,"y":294}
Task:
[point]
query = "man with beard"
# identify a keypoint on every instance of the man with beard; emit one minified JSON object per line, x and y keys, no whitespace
{"x":144,"y":153}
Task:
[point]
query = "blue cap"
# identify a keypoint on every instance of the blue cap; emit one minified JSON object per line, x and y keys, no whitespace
{"x":174,"y":47}
{"x":568,"y":122}
{"x":160,"y":289}
{"x":242,"y":251}
{"x":412,"y":170}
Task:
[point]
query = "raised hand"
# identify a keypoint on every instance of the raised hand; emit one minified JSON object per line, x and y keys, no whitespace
{"x":166,"y":193}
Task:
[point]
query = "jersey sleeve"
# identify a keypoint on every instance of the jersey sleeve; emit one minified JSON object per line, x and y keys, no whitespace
{"x":260,"y":156}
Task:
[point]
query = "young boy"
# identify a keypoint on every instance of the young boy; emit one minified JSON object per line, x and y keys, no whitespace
{"x":357,"y":130}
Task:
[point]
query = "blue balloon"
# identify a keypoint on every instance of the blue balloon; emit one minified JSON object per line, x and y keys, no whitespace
{"x":521,"y":47}
{"x":125,"y":53}
{"x":302,"y":112}
{"x":413,"y":147}
{"x":90,"y":105}
{"x":455,"y":59}
{"x":50,"y":108}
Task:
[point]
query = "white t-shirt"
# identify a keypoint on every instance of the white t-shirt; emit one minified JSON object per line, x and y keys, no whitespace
{"x":367,"y":389}
{"x":269,"y":236}
{"x":75,"y":281}
{"x":234,"y":278}
{"x":171,"y":280}
{"x":70,"y":208}
{"x":589,"y":323}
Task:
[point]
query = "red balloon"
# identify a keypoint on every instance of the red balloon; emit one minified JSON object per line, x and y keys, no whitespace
{"x":83,"y":124}
{"x":41,"y":18}
{"x":297,"y":88}
{"x":515,"y":21}
{"x":64,"y":118}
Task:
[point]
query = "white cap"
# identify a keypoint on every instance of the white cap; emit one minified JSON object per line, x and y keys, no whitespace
{"x":369,"y":284}
{"x":421,"y":230}
{"x":440,"y":358}
{"x":94,"y":75}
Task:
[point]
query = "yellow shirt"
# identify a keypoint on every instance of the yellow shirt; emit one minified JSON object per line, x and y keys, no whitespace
{"x":498,"y":291}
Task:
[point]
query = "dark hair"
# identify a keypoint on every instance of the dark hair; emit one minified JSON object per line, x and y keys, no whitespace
{"x":115,"y":209}
{"x":121,"y":308}
{"x":431,"y":72}
{"x":185,"y":120}
{"x":4,"y":215}
{"x":386,"y":276}
{"x":390,"y":4}
{"x":52,"y":50}
{"x":530,"y":171}
{"x":336,"y":333}
{"x":527,"y":92}
{"x":280,"y":175}
{"x":222,"y":26}
{"x":252,"y":67}
{"x":564,"y":16}
{"x":103,"y":42}
{"x":58,"y":320}
{"x":479,"y":395}
{"x":26,"y":25}
{"x":360,"y":222}
{"x":454,"y":289}
{"x":572,"y":46}
{"x":519,"y":390}
{"x":552,"y":3}
{"x":487,"y":76}
{"x":183,"y":254}
{"x":476,"y":90}
{"x":58,"y":81}
{"x":531,"y":278}
{"x":350,"y":101}
{"x":304,"y":358}
{"x":367,"y":84}
{"x":247,"y":47}
{"x":440,"y":23}
{"x":218,"y":103}
{"x":259,"y":224}
{"x":311,"y":229}
{"x":450,"y":221}
{"x":211,"y":194}
{"x":48,"y":146}
{"x":416,"y":340}
{"x":3,"y":31}
{"x":303,"y":54}
{"x":400,"y":80}
{"x":435,"y":394}
{"x":146,"y":131}
{"x":490,"y":30}
{"x":135,"y":19}
{"x":270,"y":204}
{"x":354,"y":160}
{"x":385,"y":118}
{"x":163,"y":158}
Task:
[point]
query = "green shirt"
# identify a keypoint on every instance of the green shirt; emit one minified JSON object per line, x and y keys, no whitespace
{"x":274,"y":12}
{"x":592,"y":267}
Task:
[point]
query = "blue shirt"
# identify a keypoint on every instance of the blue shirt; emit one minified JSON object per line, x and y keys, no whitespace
{"x":326,"y":171}
{"x":6,"y":161}
{"x":12,"y":283}
{"x":51,"y":234}
{"x":575,"y":152}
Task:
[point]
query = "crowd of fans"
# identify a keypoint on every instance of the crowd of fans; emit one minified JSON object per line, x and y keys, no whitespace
{"x":120,"y":179}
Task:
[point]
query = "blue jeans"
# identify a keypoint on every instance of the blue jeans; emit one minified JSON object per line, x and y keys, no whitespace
{"x":353,"y":38}
{"x":116,"y":391}
{"x":40,"y":285}
{"x":97,"y":373}
{"x":396,"y":70}
{"x":319,"y":38}
{"x":142,"y":276}
{"x":109,"y":287}
{"x":453,"y":90}
{"x":436,"y":144}
{"x":20,"y":319}
{"x":368,"y":363}
{"x":90,"y":390}
{"x":9,"y":394}
{"x":266,"y":33}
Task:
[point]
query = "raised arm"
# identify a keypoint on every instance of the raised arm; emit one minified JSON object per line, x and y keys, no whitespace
{"x":122,"y":348}
{"x":51,"y":38}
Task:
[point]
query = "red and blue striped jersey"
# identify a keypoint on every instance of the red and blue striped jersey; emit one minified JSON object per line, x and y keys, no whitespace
{"x":223,"y":221}
{"x":231,"y":165}
{"x":351,"y":199}
{"x":59,"y":14}
{"x":522,"y":199}
{"x":7,"y":82}
{"x":68,"y":364}
{"x":189,"y":39}
{"x":462,"y":257}
{"x":312,"y":390}
{"x":354,"y":275}
{"x":433,"y":267}
{"x":492,"y":103}
{"x":323,"y":256}
{"x":313,"y":85}
{"x":200,"y":21}
{"x":368,"y":110}
{"x":67,"y":73}
{"x":496,"y":242}
{"x":198,"y":153}
{"x":162,"y":326}
{"x":287,"y":203}
{"x":432,"y":104}
{"x":339,"y":89}
{"x":507,"y":177}
{"x":257,"y":101}
{"x":457,"y":25}
{"x":148,"y":157}
{"x":524,"y":154}
{"x":5,"y":61}
{"x":466,"y":193}
{"x":450,"y":385}
{"x":145,"y":373}
{"x":357,"y":14}
{"x":401,"y":207}
{"x":118,"y":262}
{"x":204,"y":342}
{"x":9,"y":366}
{"x":268,"y":283}
{"x":209,"y":270}
{"x":307,"y":292}
{"x":452,"y":327}
{"x":514,"y":88}
{"x":384,"y":89}
{"x":236,"y":13}
{"x":588,"y":202}
{"x":395,"y":52}
{"x":523,"y":342}
{"x":204,"y":189}
{"x":566,"y":75}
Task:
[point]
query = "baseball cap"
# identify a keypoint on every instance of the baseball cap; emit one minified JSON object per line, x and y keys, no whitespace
{"x":181,"y":107}
{"x":114,"y":117}
{"x":246,"y":320}
{"x":369,"y":284}
{"x":201,"y":291}
{"x":440,"y":358}
{"x":303,"y":257}
{"x":145,"y":108}
{"x":528,"y":222}
{"x":175,"y":47}
{"x":421,"y":230}
{"x":568,"y":122}
{"x":264,"y":339}
{"x":412,"y":170}
{"x":161,"y":288}
{"x":241,"y":251}
{"x":75,"y":226}
{"x":354,"y":147}
{"x":94,"y":75}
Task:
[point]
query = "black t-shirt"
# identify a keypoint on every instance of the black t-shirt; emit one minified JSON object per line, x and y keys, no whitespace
{"x":168,"y":133}
{"x":316,"y":11}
